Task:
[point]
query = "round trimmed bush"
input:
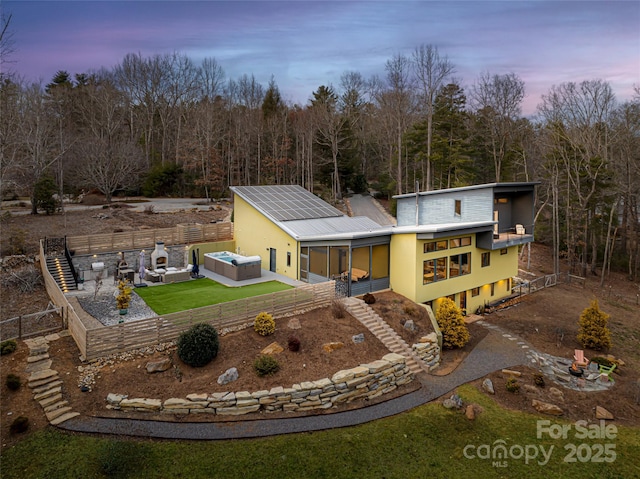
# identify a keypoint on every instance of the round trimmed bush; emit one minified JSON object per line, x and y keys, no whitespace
{"x":19,"y":424}
{"x":265,"y":365}
{"x":264,"y":324}
{"x":198,"y":346}
{"x":13,"y":382}
{"x":293,"y":344}
{"x":8,"y":346}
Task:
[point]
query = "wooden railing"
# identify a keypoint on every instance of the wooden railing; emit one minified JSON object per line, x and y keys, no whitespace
{"x":130,"y":240}
{"x":70,"y":318}
{"x":132,"y":335}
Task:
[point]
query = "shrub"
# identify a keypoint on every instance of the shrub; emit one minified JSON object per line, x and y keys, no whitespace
{"x":123,"y":300}
{"x":19,"y":424}
{"x":593,"y":332}
{"x":198,"y":346}
{"x":120,"y":459}
{"x":264,"y":324}
{"x":512,"y":385}
{"x":454,"y":331}
{"x":369,"y":298}
{"x":265,"y":365}
{"x":293,"y":344}
{"x":13,"y":382}
{"x":538,"y":380}
{"x":602,"y":361}
{"x":338,"y":309}
{"x":8,"y":346}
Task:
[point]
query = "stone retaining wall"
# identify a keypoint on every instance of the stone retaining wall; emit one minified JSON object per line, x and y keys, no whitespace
{"x":365,"y":381}
{"x":428,"y":350}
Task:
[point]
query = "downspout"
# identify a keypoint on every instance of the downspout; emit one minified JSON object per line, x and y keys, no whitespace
{"x":417,"y":204}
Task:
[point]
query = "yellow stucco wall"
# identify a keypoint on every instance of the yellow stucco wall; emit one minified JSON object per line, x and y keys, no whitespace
{"x":407,"y":257}
{"x":255,"y":234}
{"x":403,"y":274}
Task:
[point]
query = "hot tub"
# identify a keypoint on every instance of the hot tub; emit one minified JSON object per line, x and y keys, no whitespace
{"x":233,"y":266}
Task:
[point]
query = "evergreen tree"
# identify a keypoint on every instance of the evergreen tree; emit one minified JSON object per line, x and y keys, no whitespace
{"x":451,"y":323}
{"x":593,"y":332}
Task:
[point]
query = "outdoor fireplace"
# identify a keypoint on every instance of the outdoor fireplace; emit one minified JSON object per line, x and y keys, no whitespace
{"x":159,"y":257}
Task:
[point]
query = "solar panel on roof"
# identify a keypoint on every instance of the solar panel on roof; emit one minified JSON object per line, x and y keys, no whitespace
{"x":287,"y":202}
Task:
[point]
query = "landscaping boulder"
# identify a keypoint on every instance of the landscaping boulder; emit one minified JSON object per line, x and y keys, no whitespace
{"x":158,"y":366}
{"x":228,"y":376}
{"x":602,"y":413}
{"x":547,"y":408}
{"x":273,"y":348}
{"x":330,"y":347}
{"x":487,"y":385}
{"x":358,"y":338}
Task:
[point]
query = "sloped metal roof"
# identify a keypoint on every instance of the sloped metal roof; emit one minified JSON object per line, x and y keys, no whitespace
{"x":286,"y":202}
{"x":342,"y":227}
{"x":304,"y":216}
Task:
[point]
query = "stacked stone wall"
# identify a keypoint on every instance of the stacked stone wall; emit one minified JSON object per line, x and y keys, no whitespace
{"x":366,"y":381}
{"x":428,"y":350}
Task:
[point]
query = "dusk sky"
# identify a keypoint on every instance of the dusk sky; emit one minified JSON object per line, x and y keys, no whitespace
{"x":305,"y":44}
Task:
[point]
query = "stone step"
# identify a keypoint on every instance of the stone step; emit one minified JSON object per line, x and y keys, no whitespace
{"x":41,"y":375}
{"x":57,"y":413}
{"x":48,"y":393}
{"x":39,"y":366}
{"x":37,"y":357}
{"x":50,"y":400}
{"x":55,"y":406}
{"x":43,"y":382}
{"x":47,"y":386}
{"x":63,"y":418}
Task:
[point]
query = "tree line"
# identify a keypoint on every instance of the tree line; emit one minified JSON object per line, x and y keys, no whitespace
{"x":164,"y":125}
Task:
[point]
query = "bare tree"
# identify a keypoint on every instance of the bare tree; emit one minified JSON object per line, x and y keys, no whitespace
{"x":497,"y":100}
{"x":330,"y":128}
{"x":6,"y":45}
{"x":111,"y":159}
{"x":396,"y":101}
{"x":431,"y":70}
{"x":577,"y":117}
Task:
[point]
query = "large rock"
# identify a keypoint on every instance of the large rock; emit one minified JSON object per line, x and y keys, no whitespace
{"x":228,"y":376}
{"x":294,"y":323}
{"x":158,"y":366}
{"x":602,"y":413}
{"x":273,"y":348}
{"x":409,"y":325}
{"x":357,"y":338}
{"x":487,"y":385}
{"x":547,"y":408}
{"x":330,"y":347}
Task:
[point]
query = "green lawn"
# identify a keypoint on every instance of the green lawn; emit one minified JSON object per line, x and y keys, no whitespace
{"x":171,"y":298}
{"x":427,"y":442}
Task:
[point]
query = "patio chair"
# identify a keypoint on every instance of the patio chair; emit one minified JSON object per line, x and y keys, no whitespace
{"x":580,"y":359}
{"x":608,"y":370}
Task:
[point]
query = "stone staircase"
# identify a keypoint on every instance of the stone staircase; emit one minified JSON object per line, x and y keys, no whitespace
{"x":45,"y":382}
{"x":60,"y":269}
{"x":374,"y":323}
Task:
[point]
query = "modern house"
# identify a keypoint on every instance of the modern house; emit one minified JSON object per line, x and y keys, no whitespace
{"x":460,"y":243}
{"x":300,"y":236}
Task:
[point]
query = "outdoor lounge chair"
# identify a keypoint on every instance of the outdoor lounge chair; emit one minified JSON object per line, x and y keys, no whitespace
{"x":608,"y":370}
{"x":580,"y":359}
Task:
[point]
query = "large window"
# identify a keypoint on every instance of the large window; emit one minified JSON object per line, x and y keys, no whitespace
{"x":318,"y":260}
{"x":380,"y":261}
{"x":486,"y":259}
{"x":459,"y":265}
{"x":435,"y":246}
{"x":458,"y":242}
{"x":434,"y":270}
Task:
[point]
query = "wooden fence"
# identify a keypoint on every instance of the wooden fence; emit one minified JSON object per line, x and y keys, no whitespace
{"x":131,"y":240}
{"x":123,"y":337}
{"x":33,"y":324}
